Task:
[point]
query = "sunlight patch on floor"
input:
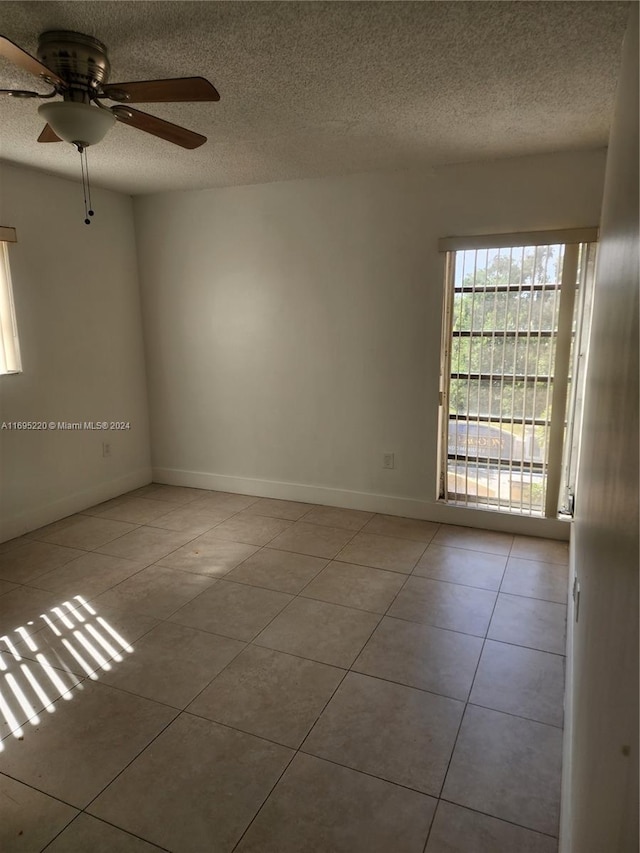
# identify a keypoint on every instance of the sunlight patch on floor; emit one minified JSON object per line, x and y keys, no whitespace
{"x":32,"y":682}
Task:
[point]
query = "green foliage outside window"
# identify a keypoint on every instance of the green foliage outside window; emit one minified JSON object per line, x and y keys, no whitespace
{"x":525,"y":311}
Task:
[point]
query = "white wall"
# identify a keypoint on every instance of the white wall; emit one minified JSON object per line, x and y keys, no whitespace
{"x":601,"y":770}
{"x":293,"y":329}
{"x":78,"y":311}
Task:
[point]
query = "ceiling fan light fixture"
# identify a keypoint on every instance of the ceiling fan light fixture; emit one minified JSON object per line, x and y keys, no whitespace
{"x":78,"y":123}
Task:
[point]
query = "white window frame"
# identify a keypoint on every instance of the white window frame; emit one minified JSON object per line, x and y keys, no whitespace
{"x":10,"y":361}
{"x":556,"y":467}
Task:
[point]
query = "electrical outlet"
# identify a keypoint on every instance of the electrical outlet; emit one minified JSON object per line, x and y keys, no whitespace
{"x":388,"y":460}
{"x":106,"y":449}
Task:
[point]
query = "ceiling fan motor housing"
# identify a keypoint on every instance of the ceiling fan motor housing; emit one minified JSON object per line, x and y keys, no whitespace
{"x":80,"y":60}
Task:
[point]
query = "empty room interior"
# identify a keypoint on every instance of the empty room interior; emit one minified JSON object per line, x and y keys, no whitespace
{"x":319,"y":427}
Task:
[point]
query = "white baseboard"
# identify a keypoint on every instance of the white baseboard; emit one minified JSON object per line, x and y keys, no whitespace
{"x":47,"y":513}
{"x":565,"y":844}
{"x":550,"y":528}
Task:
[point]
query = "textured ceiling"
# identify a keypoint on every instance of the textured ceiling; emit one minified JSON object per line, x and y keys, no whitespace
{"x":314,"y":88}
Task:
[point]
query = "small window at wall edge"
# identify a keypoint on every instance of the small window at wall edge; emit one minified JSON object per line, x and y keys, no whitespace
{"x":9,"y":345}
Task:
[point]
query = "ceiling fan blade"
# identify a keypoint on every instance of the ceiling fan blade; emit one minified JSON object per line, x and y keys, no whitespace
{"x":48,"y":135}
{"x":19,"y":93}
{"x":157,"y":91}
{"x":24,"y":60}
{"x":159,"y":127}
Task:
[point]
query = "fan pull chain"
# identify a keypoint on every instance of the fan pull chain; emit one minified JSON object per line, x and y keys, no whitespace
{"x":86,"y":169}
{"x":86,"y":186}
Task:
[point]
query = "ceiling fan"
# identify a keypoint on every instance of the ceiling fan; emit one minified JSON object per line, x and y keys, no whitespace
{"x":78,"y":67}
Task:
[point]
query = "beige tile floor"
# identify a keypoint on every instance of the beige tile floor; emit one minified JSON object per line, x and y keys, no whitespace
{"x":202,"y":672}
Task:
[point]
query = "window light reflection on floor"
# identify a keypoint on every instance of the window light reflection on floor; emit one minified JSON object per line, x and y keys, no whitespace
{"x":73,"y":627}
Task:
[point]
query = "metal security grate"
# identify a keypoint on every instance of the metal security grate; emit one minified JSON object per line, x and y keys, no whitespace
{"x":506,"y":322}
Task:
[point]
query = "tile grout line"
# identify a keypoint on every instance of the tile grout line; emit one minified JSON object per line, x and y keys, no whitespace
{"x":500,"y":819}
{"x":102,"y":820}
{"x":464,"y":711}
{"x":222,"y":578}
{"x":84,"y":677}
{"x":217,"y":524}
{"x":155,"y":562}
{"x":247,"y":643}
{"x":168,"y":618}
{"x":197,"y":536}
{"x":129,"y":763}
{"x":346,"y":672}
{"x":298,"y":750}
{"x":271,"y":790}
{"x":382,"y":616}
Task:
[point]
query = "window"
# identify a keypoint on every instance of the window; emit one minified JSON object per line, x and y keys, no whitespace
{"x":9,"y":346}
{"x":507,"y":400}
